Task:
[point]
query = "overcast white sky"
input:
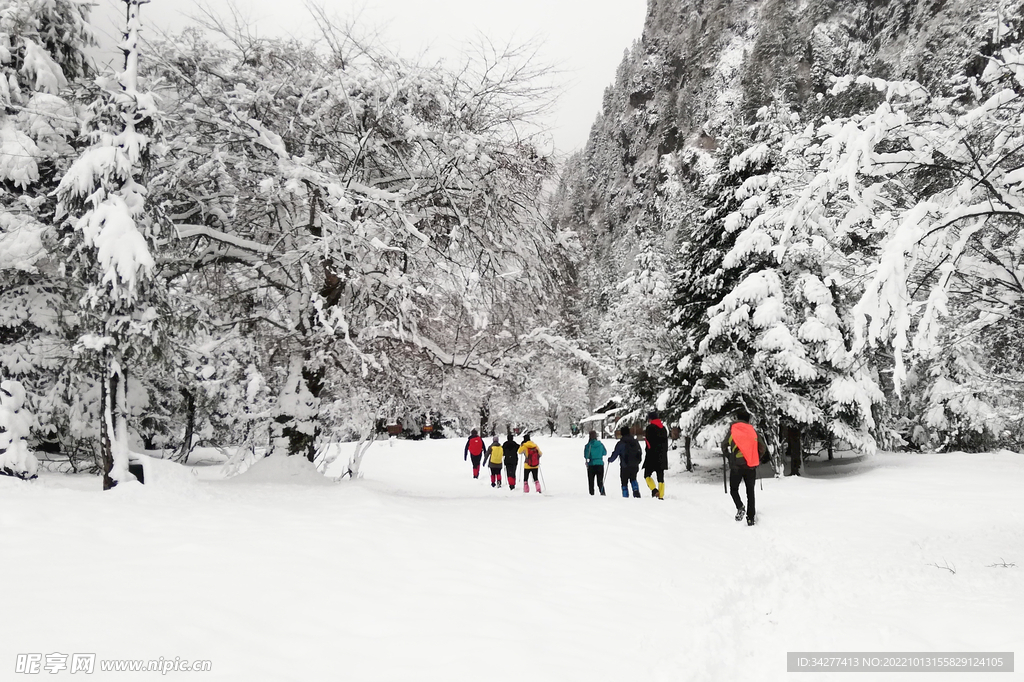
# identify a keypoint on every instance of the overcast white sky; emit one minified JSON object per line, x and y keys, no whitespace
{"x":584,"y":39}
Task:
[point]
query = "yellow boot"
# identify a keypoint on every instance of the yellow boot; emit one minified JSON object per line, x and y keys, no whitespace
{"x":661,"y":491}
{"x":652,"y":486}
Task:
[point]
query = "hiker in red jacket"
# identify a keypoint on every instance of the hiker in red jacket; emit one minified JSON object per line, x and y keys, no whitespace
{"x":744,"y":449}
{"x":474,"y":449}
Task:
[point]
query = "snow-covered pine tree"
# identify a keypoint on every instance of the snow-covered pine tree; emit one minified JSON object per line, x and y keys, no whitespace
{"x":42,"y":45}
{"x":699,"y":194}
{"x":780,"y":340}
{"x":102,"y":198}
{"x":635,"y":323}
{"x":16,"y":423}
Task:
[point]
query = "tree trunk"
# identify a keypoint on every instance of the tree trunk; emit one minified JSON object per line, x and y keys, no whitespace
{"x":793,"y":448}
{"x":356,"y":461}
{"x":190,"y":425}
{"x":830,"y":447}
{"x":106,"y":426}
{"x":686,"y":451}
{"x":113,"y":424}
{"x":119,"y":445}
{"x":783,"y":449}
{"x":485,"y":416}
{"x":297,"y":425}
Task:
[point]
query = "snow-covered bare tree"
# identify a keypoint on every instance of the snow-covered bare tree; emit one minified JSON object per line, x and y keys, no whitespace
{"x":385,"y":212}
{"x":935,"y":180}
{"x":555,"y":395}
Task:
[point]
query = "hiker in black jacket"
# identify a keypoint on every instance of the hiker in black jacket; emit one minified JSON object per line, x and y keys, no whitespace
{"x":657,"y":454}
{"x":744,"y":449}
{"x":511,"y":449}
{"x":628,"y":452}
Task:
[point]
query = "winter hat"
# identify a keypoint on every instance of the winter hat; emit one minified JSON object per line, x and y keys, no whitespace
{"x":496,"y":440}
{"x":653,"y":414}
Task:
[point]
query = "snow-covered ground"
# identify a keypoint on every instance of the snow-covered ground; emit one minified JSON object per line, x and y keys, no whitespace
{"x":419,"y":572}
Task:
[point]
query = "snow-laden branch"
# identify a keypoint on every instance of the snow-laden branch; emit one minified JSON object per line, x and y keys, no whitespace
{"x":186,"y":231}
{"x":433,"y":349}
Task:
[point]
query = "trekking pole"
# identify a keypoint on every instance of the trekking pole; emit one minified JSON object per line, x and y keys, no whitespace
{"x":725,"y":488}
{"x":541,"y":474}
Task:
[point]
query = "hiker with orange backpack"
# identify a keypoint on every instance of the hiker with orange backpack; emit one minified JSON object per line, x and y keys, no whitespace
{"x":474,"y":449}
{"x":743,"y":448}
{"x":531,"y":462}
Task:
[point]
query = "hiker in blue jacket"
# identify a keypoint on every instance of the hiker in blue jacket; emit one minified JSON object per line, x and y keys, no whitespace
{"x":593,"y":453}
{"x":629,"y":454}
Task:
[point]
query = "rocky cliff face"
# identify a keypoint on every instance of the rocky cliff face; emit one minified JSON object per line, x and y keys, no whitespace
{"x":704,"y":65}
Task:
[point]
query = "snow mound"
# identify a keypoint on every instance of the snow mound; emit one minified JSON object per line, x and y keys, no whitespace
{"x":163,"y":474}
{"x":281,"y":469}
{"x":13,"y":483}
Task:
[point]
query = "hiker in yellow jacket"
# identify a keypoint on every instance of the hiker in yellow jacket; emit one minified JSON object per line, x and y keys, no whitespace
{"x":494,"y":461}
{"x":531,"y":462}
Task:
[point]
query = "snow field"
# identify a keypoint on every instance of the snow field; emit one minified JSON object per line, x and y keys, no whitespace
{"x":419,"y":572}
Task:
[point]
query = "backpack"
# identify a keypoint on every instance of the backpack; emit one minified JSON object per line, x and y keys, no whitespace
{"x":476,"y":446}
{"x":532,"y":457}
{"x":634,"y":452}
{"x":743,"y":442}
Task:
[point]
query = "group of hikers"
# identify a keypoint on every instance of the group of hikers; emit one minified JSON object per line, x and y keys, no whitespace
{"x":505,"y":454}
{"x":742,"y":448}
{"x":629,"y":454}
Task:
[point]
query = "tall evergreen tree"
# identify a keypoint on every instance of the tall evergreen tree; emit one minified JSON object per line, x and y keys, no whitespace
{"x":42,"y":44}
{"x":779,"y":340}
{"x":103,"y":199}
